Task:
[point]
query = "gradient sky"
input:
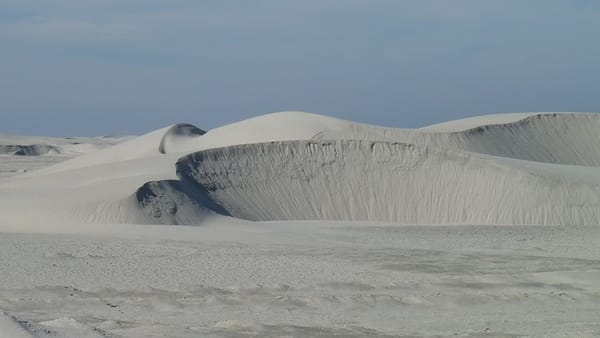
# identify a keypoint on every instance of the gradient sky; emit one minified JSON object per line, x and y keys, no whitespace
{"x":96,"y":67}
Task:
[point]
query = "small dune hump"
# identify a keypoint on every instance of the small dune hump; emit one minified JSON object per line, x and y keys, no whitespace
{"x":176,"y":135}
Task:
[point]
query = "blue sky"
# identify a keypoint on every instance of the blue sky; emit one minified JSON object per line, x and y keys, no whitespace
{"x":94,"y":67}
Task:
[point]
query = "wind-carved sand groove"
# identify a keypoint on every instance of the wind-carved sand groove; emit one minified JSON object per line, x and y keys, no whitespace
{"x":357,"y":180}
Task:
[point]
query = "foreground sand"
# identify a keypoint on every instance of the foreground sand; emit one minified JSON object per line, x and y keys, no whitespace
{"x":302,"y":279}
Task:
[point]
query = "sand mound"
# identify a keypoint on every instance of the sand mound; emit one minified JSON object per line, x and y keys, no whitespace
{"x":517,"y":169}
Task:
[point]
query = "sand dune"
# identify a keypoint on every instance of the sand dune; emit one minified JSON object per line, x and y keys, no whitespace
{"x":501,"y":169}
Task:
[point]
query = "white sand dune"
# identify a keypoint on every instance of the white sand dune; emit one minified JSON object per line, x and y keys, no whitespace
{"x":516,"y":169}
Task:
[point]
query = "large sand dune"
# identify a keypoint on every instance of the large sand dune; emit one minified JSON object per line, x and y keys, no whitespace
{"x":390,"y":182}
{"x":502,"y":169}
{"x":73,"y":265}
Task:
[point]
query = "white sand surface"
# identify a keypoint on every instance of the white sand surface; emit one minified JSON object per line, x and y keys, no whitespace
{"x":296,"y":224}
{"x":302,"y":279}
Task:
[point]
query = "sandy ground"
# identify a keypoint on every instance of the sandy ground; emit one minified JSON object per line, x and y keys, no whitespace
{"x":233,"y":278}
{"x":303,"y":279}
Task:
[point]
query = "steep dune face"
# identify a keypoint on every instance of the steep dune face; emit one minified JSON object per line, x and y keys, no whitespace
{"x":383,"y":181}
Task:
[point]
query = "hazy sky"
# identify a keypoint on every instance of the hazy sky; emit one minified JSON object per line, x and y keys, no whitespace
{"x":93,"y":67}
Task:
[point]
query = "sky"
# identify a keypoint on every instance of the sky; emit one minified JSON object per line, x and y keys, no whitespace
{"x":114,"y":67}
